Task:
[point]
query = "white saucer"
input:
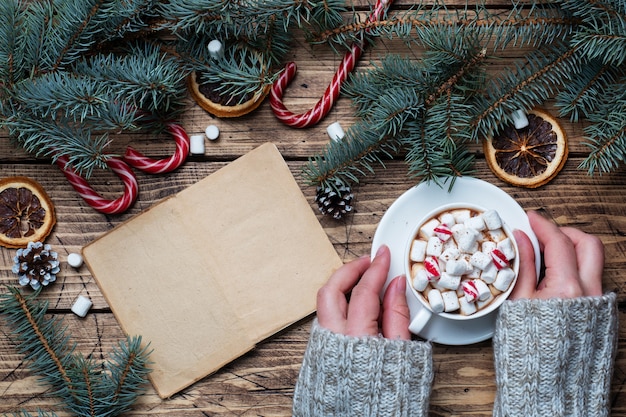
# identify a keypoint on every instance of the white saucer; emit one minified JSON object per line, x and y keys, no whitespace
{"x":402,"y":216}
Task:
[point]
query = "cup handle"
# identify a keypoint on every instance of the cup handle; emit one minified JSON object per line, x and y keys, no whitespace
{"x":420,"y":320}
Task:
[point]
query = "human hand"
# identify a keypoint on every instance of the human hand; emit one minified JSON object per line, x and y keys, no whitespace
{"x":362,"y":316}
{"x":574,"y":262}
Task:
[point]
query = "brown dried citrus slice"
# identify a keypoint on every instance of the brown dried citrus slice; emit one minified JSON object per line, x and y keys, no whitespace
{"x":211,"y":101}
{"x":531,"y":156}
{"x":26,"y":212}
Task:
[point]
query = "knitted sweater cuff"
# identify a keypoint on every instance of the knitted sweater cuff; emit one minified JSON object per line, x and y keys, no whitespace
{"x":363,"y":376}
{"x":555,"y":357}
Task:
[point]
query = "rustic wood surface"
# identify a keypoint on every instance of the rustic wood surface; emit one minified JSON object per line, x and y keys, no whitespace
{"x":261,"y":383}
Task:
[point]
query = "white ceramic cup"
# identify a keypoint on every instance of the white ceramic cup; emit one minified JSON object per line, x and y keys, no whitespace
{"x":425,"y":314}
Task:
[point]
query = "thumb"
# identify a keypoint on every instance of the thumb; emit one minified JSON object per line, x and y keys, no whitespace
{"x":526,"y":285}
{"x":396,"y":316}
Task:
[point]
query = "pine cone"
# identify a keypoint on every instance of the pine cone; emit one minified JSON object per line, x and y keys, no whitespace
{"x":335,"y":200}
{"x":36,"y":265}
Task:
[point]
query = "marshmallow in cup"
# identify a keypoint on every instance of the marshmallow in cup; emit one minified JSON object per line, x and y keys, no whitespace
{"x":453,"y":263}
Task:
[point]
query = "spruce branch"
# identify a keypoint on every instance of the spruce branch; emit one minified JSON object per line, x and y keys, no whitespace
{"x":60,"y":95}
{"x":85,"y":390}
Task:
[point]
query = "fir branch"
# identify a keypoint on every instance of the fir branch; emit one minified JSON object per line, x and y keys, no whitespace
{"x":524,"y":87}
{"x":84,"y":389}
{"x":606,"y":134}
{"x":43,"y":342}
{"x":584,"y":93}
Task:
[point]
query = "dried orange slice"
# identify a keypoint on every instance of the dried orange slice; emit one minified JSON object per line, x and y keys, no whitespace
{"x":26,"y":212}
{"x":212,"y":102}
{"x":529,"y":157}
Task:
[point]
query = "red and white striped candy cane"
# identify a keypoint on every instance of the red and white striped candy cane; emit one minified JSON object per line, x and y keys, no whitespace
{"x":160,"y":166}
{"x":95,"y":200}
{"x":323,"y":106}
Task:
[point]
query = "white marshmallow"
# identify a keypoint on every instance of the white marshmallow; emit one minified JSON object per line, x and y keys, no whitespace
{"x":496,"y":235}
{"x":81,"y":306}
{"x":212,"y":132}
{"x":75,"y":260}
{"x":450,"y":254}
{"x":489,"y":274}
{"x":504,"y":278}
{"x":435,"y":300}
{"x":476,"y":223}
{"x":487,"y":246}
{"x":492,"y":219}
{"x":196,"y":144}
{"x":474,"y":273}
{"x":519,"y":119}
{"x":506,"y":247}
{"x":480,"y":304}
{"x":467,"y":308}
{"x":480,"y":260}
{"x":420,"y":280}
{"x":448,"y":281}
{"x":418,"y":250}
{"x":483,"y":289}
{"x":467,"y":240}
{"x":434,"y":247}
{"x":456,"y":267}
{"x":447,"y":219}
{"x":428,"y":229}
{"x":216,"y":49}
{"x":461,"y":215}
{"x":335,"y":131}
{"x":450,"y":301}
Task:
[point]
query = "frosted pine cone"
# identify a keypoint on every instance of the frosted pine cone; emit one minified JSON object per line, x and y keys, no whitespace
{"x":36,"y":265}
{"x":335,"y":200}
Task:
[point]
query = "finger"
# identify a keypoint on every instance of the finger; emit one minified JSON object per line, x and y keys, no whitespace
{"x":590,"y":256}
{"x":526,"y":284}
{"x":561,"y":265}
{"x":332,"y":307}
{"x":396,"y":316}
{"x":364,"y":305}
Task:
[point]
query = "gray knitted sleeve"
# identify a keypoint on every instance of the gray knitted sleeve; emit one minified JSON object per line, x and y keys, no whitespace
{"x":555,"y":357}
{"x":363,"y":376}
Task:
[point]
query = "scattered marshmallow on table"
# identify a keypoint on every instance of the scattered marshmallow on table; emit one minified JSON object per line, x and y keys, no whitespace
{"x":216,"y":49}
{"x":75,"y":260}
{"x":81,"y":306}
{"x":196,"y":144}
{"x":335,"y":131}
{"x":212,"y":132}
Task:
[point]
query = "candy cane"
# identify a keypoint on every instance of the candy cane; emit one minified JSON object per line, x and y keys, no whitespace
{"x":160,"y":166}
{"x":323,"y":106}
{"x":119,"y":205}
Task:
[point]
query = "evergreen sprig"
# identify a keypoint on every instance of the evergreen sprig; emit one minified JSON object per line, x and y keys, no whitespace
{"x":256,"y":35}
{"x":577,"y":60}
{"x":62,"y":94}
{"x":86,"y":388}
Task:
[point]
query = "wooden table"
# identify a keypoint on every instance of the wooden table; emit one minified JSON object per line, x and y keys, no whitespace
{"x":261,"y":383}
